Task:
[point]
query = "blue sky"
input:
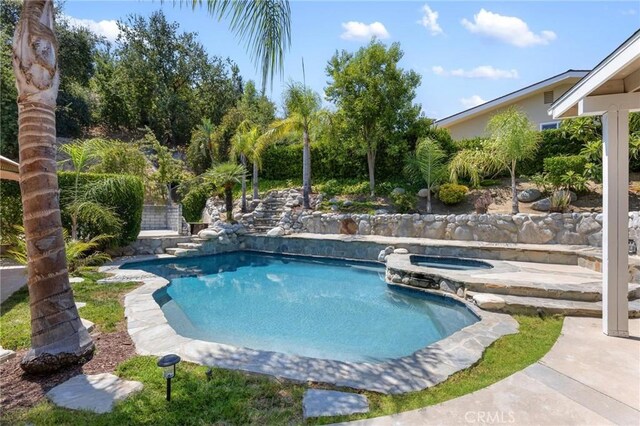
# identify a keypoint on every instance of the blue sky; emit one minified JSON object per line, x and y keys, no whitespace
{"x":466,"y":52}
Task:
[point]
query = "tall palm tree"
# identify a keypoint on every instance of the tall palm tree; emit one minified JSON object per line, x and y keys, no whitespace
{"x":249,"y":144}
{"x":427,"y":164}
{"x":57,"y":335}
{"x":204,"y":138}
{"x":304,"y":111}
{"x":227,"y":175}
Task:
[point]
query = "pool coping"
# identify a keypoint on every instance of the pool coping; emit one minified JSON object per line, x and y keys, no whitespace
{"x":152,"y":335}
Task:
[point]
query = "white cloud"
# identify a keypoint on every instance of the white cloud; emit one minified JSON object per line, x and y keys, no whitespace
{"x":106,"y":28}
{"x":430,"y":20}
{"x":508,"y":29}
{"x":360,"y":31}
{"x":483,"y":71}
{"x":472,"y":101}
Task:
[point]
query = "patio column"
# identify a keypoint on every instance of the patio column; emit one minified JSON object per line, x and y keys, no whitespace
{"x":615,"y":274}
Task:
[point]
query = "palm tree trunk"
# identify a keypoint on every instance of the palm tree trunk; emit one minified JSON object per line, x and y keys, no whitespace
{"x":429,"y":201}
{"x":306,"y":171}
{"x":243,"y":160}
{"x":514,"y":191}
{"x":57,"y":335}
{"x":254,"y":182}
{"x":371,"y":163}
{"x":228,"y":202}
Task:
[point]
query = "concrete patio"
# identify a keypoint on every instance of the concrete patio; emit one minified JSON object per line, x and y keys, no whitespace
{"x":586,"y":378}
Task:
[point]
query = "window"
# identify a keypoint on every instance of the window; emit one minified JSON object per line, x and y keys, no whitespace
{"x":550,"y":125}
{"x":548,"y":97}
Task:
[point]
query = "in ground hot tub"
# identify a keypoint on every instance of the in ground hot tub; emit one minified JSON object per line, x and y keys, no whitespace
{"x":450,"y":263}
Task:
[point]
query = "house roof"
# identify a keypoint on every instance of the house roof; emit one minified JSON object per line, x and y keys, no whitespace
{"x":510,"y":97}
{"x":618,"y":73}
{"x":9,"y":169}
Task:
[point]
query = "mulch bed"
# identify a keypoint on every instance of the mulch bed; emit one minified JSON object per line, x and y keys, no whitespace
{"x":21,"y":390}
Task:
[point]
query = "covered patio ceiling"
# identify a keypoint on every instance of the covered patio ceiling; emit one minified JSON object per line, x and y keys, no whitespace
{"x":9,"y":169}
{"x":611,"y":90}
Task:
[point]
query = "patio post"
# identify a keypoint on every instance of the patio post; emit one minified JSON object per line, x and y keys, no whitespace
{"x":615,"y":257}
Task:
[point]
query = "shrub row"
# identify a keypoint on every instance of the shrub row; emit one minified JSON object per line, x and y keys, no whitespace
{"x":126,"y":203}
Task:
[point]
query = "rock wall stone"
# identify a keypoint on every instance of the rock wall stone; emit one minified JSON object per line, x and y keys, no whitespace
{"x":553,"y":228}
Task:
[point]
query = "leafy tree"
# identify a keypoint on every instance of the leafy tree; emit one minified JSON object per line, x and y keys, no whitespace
{"x":375,"y":96}
{"x":513,"y":139}
{"x":303,"y":108}
{"x":427,"y":164}
{"x":227,"y":176}
{"x":249,"y":144}
{"x":474,"y":164}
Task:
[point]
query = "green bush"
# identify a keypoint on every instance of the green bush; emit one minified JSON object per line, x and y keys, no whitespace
{"x":472,"y":143}
{"x":126,"y":202}
{"x":557,"y":167}
{"x":404,"y":203}
{"x":451,"y":193}
{"x":552,"y":144}
{"x":195,"y":200}
{"x":10,"y":208}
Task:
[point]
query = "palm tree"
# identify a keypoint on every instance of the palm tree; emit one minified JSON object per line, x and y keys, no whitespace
{"x":57,"y":335}
{"x":227,"y":175}
{"x":513,"y":139}
{"x":427,"y":163}
{"x":248,"y":144}
{"x":204,"y":138}
{"x":303,"y":107}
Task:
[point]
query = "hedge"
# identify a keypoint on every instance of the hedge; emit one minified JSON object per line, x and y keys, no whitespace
{"x":556,"y":167}
{"x":126,"y":203}
{"x":552,"y":144}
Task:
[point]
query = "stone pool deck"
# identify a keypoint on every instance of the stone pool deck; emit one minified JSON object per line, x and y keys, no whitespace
{"x":153,"y":335}
{"x":586,"y":378}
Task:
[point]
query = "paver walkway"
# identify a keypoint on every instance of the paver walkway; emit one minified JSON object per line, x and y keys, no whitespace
{"x":586,"y":378}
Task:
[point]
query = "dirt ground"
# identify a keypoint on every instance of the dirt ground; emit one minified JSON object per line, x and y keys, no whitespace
{"x":501,"y":194}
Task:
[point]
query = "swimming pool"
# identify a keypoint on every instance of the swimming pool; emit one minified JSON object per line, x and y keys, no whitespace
{"x":313,"y":307}
{"x":450,"y":263}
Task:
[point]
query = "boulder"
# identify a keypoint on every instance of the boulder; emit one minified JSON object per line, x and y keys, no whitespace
{"x":423,"y":193}
{"x":572,"y":195}
{"x":489,"y":301}
{"x":401,"y":251}
{"x":529,"y":195}
{"x":347,"y":203}
{"x":276,"y":232}
{"x":348,"y":226}
{"x":530,"y":233}
{"x":398,"y":191}
{"x":542,"y":205}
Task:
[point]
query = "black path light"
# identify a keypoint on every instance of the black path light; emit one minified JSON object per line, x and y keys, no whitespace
{"x":168,"y":365}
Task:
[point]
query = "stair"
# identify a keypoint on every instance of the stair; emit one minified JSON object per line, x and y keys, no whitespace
{"x":510,"y":304}
{"x":267,"y":214}
{"x":179,"y":252}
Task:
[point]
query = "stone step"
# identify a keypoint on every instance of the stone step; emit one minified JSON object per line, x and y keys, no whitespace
{"x":189,"y":245}
{"x":87,"y":324}
{"x":6,"y":354}
{"x":179,"y":252}
{"x":535,"y":305}
{"x":587,"y":292}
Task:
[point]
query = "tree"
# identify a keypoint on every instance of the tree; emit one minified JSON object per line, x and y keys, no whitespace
{"x":249,"y":144}
{"x":203,"y":149}
{"x":427,"y":164}
{"x":375,"y":96}
{"x":58,"y":337}
{"x":227,"y":176}
{"x":513,"y":139}
{"x":303,"y":107}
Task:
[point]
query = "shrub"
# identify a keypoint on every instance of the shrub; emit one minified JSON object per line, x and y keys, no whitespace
{"x":404,"y":203}
{"x":556,"y":167}
{"x":553,"y":143}
{"x":195,"y":200}
{"x":126,"y":201}
{"x":451,"y":193}
{"x":472,"y":143}
{"x":10,"y":209}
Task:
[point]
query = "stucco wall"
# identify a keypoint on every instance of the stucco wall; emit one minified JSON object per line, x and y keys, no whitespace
{"x":533,"y":105}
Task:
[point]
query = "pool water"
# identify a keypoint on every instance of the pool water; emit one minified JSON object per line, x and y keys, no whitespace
{"x":314,"y":307}
{"x":450,"y":263}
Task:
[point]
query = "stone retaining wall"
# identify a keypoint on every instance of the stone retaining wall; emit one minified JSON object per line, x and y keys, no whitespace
{"x":554,"y":228}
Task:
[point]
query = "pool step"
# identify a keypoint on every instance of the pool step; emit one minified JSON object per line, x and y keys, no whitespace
{"x":179,"y":252}
{"x":537,"y":305}
{"x":586,"y":292}
{"x":189,"y":245}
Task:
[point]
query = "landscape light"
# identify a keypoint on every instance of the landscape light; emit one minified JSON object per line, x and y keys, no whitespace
{"x":168,"y":364}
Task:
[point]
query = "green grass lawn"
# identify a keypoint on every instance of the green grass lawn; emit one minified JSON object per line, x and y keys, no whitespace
{"x":233,"y":397}
{"x":103,"y":308}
